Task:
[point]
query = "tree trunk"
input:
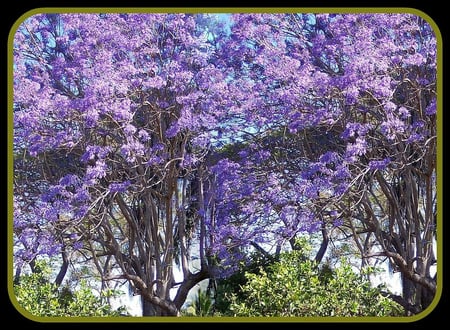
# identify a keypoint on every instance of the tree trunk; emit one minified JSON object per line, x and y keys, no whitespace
{"x":426,"y":298}
{"x":323,"y":245}
{"x":408,"y":292}
{"x":63,"y":269}
{"x":149,"y":309}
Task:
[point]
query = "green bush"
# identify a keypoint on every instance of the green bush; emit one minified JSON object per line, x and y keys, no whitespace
{"x":296,"y":286}
{"x":35,"y":293}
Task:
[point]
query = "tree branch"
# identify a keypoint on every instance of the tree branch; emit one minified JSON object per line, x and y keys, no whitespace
{"x":405,"y":270}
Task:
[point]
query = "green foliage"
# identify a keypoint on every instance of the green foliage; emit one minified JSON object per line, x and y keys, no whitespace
{"x":231,"y":285}
{"x":296,"y":286}
{"x":40,"y":297}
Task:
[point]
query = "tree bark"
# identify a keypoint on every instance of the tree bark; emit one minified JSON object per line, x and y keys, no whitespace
{"x":63,"y":269}
{"x":323,"y":245}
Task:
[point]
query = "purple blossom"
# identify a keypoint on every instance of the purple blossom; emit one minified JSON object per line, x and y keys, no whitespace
{"x":155,"y":82}
{"x":379,"y":164}
{"x":189,"y":161}
{"x":96,"y":171}
{"x":91,"y":118}
{"x":415,"y":59}
{"x":119,"y":187}
{"x":81,"y":196}
{"x":390,"y":107}
{"x":131,"y":150}
{"x":73,"y":236}
{"x":94,"y":151}
{"x":295,"y":126}
{"x":355,"y":130}
{"x":81,"y":211}
{"x":78,"y":245}
{"x":415,"y":137}
{"x":338,"y":222}
{"x":392,"y":127}
{"x":334,"y":213}
{"x":49,"y":249}
{"x":341,"y":189}
{"x":328,"y":157}
{"x":431,"y":108}
{"x":173,"y":130}
{"x":358,"y":148}
{"x":143,"y":136}
{"x":404,"y":113}
{"x":262,"y":155}
{"x":129,"y":130}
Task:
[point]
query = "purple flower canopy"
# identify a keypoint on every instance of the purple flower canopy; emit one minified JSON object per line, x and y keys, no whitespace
{"x":284,"y":114}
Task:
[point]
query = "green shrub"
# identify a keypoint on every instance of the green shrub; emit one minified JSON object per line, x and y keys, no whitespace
{"x":296,"y":286}
{"x":35,"y":293}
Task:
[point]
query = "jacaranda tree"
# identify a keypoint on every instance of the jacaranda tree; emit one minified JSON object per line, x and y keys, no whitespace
{"x":112,"y":116}
{"x":143,"y":142}
{"x":340,"y":131}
